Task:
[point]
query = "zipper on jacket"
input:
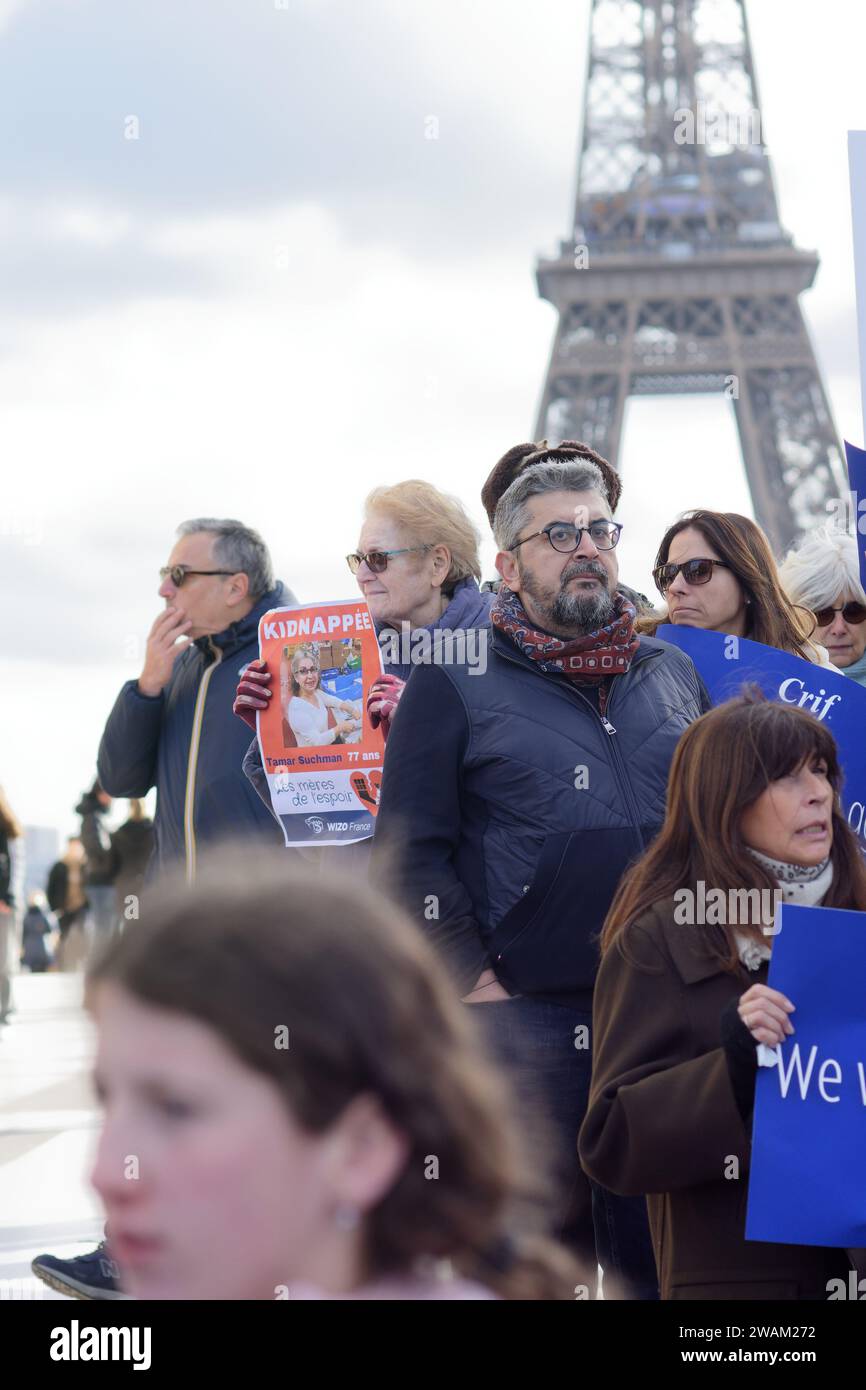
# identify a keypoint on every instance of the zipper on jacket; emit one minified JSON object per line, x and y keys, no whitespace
{"x":192,"y":764}
{"x":619,"y":766}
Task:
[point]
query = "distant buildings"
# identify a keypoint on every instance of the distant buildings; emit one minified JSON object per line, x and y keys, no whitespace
{"x":42,"y":848}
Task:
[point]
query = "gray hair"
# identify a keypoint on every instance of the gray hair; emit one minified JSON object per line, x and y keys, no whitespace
{"x":237,"y":548}
{"x":821,"y":568}
{"x":556,"y":475}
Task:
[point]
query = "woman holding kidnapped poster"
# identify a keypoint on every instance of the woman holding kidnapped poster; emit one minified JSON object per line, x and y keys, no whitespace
{"x":681,"y":1001}
{"x":417,"y":566}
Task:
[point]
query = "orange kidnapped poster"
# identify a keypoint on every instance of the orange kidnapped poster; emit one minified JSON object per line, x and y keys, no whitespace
{"x":322,"y":758}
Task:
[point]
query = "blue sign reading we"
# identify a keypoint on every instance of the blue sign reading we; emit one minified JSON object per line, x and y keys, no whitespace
{"x":807,"y":1184}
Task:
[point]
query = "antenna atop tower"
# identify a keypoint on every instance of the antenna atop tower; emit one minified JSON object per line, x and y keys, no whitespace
{"x":679,"y":277}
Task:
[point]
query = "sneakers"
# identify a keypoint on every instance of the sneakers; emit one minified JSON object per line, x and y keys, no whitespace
{"x":94,"y":1275}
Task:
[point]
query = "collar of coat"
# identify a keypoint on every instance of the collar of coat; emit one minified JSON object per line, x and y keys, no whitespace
{"x":688,"y":946}
{"x":245,"y":630}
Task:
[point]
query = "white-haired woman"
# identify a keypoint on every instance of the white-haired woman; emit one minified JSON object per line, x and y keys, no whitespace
{"x":823,"y":574}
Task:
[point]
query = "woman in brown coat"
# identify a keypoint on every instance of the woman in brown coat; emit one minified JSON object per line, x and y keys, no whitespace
{"x":681,"y":999}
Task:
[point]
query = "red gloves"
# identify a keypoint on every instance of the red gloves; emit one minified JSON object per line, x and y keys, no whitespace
{"x":382,"y":700}
{"x":253,"y":692}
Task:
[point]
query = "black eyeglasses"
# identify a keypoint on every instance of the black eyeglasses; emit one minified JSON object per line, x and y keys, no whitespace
{"x":851,"y":612}
{"x":692,"y":571}
{"x":564,"y":537}
{"x":179,"y":573}
{"x":377,"y":560}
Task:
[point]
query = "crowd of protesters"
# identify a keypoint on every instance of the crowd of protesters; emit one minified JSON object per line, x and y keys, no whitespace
{"x":90,"y":890}
{"x":547,"y":1017}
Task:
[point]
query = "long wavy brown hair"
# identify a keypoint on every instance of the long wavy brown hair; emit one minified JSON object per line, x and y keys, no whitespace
{"x":722,"y":764}
{"x":257,"y":942}
{"x":771,"y":617}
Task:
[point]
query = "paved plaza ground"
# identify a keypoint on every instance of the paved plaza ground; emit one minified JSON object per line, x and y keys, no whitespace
{"x":48,"y":1120}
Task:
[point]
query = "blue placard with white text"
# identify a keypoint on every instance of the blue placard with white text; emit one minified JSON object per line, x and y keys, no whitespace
{"x":807,"y":1183}
{"x":856,"y":460}
{"x":725,"y":664}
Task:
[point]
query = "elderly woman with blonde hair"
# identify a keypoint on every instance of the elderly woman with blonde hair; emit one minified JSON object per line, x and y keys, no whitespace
{"x":417,"y":565}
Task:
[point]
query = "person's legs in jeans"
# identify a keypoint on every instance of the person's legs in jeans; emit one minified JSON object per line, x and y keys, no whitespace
{"x":103,"y":910}
{"x":546,"y":1050}
{"x":624,"y":1247}
{"x":7,"y":937}
{"x":547,"y":1058}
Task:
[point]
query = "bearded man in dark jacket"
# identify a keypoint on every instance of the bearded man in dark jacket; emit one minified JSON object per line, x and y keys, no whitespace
{"x":506,"y":828}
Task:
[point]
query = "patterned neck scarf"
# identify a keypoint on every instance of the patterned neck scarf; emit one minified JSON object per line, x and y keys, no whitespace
{"x":586,"y":660}
{"x":797,"y":883}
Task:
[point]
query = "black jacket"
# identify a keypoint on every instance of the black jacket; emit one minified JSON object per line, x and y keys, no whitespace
{"x":100,"y":869}
{"x":131,"y":848}
{"x":187,"y":743}
{"x":509,"y":811}
{"x":58,"y":886}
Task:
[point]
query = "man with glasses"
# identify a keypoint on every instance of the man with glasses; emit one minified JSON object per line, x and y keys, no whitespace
{"x":510,"y":821}
{"x":173,"y":729}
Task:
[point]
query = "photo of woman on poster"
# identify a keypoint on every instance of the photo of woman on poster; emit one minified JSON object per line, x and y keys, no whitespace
{"x":313,"y":715}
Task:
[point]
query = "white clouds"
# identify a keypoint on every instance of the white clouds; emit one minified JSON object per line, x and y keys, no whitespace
{"x":90,"y":225}
{"x":284,"y":295}
{"x":9,"y":9}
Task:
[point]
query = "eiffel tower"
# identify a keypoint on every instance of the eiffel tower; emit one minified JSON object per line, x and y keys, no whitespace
{"x":679,"y":277}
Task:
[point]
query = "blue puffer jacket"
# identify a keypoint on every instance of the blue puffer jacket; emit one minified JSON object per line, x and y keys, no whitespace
{"x":509,"y":810}
{"x":187,"y":743}
{"x":468,"y":608}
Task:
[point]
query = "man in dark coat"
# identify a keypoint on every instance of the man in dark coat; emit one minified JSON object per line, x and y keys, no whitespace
{"x":100,"y":870}
{"x":506,"y":827}
{"x":173,"y":728}
{"x":120,"y":857}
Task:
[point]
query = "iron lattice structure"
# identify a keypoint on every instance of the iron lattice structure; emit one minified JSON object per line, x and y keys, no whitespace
{"x":679,"y":276}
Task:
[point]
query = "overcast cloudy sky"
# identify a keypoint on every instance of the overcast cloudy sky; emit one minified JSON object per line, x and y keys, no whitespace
{"x":281,"y":294}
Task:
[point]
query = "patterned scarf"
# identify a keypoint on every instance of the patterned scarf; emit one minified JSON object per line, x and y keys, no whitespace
{"x":797,"y":883}
{"x":586,"y":660}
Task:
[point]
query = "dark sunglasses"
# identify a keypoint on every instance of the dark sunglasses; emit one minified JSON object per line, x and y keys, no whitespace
{"x":692,"y":571}
{"x":179,"y":573}
{"x":851,"y":612}
{"x":377,"y":560}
